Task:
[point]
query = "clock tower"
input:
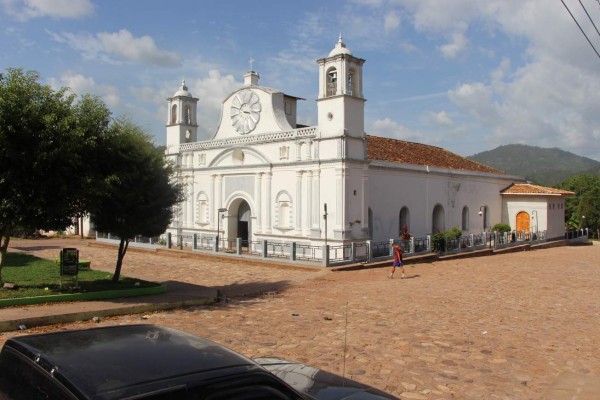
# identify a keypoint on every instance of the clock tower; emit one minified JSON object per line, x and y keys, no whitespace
{"x":181,"y":119}
{"x":341,"y":105}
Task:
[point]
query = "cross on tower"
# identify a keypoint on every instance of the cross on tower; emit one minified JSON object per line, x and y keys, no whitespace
{"x":250,"y":62}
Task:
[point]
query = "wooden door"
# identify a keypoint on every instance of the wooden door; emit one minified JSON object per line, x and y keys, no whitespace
{"x":523,"y":221}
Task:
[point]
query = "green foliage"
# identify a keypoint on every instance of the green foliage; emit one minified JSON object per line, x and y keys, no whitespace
{"x":47,"y":143}
{"x":137,"y":195}
{"x":501,"y":228}
{"x":33,"y":275}
{"x":541,"y":165}
{"x":439,"y":240}
{"x":585,"y":203}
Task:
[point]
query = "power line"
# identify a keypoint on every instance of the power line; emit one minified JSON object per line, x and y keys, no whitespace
{"x":580,"y":28}
{"x":590,"y":18}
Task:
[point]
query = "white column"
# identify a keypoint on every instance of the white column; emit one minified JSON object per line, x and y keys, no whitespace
{"x":365,"y":196}
{"x":268,"y":205}
{"x":212,"y":202}
{"x":298,"y":205}
{"x":309,"y":203}
{"x":218,"y":195}
{"x":258,"y":202}
{"x":192,"y":201}
{"x":316,"y":200}
{"x":339,"y":197}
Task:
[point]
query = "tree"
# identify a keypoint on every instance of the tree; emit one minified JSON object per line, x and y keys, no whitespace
{"x":44,"y":153}
{"x":137,"y":194}
{"x":583,"y":210}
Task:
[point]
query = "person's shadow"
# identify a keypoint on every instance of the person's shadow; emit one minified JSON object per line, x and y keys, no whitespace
{"x":411,"y":276}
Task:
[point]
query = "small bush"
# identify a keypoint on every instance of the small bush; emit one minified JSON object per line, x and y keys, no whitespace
{"x":501,"y":228}
{"x":439,"y":240}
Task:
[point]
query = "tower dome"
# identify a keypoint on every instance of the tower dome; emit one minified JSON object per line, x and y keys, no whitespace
{"x":182,"y":91}
{"x":340,"y":48}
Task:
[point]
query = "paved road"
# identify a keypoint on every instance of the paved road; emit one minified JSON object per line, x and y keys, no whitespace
{"x":511,"y":326}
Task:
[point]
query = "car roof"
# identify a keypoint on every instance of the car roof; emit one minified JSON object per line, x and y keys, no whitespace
{"x":109,"y":359}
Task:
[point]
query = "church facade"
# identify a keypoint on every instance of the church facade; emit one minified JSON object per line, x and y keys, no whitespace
{"x":262,"y":176}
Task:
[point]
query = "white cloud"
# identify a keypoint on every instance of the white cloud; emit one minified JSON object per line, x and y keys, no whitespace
{"x":455,"y":47}
{"x":121,"y":45}
{"x":23,"y":10}
{"x":441,"y":118}
{"x":391,"y":22}
{"x":81,"y":85}
{"x":390,"y":128}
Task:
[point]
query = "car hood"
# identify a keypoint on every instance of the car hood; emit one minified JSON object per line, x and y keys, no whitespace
{"x":320,"y":384}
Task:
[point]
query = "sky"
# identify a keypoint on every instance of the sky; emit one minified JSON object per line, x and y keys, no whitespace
{"x":464,"y":75}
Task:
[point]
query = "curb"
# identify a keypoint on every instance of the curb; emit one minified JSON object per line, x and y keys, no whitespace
{"x":102,"y":295}
{"x":109,"y":311}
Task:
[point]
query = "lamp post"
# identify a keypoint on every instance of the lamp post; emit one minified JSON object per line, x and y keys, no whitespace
{"x":325,"y":219}
{"x":534,"y":215}
{"x":482,"y":214}
{"x":582,"y":221}
{"x":219,"y":216}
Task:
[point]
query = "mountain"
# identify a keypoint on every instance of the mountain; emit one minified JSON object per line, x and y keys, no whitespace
{"x":539,"y":165}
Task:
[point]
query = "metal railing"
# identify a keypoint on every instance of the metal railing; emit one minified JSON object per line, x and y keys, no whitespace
{"x":343,"y":253}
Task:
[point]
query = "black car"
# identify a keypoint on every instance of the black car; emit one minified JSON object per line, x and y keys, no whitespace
{"x":154,"y":362}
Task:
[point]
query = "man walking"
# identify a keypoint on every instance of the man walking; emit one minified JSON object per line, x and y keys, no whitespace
{"x":397,"y":260}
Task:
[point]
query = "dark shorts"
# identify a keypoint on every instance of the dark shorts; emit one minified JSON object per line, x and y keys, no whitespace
{"x":398,"y":264}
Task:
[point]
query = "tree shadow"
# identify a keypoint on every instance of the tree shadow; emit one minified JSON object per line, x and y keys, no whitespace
{"x":182,"y":292}
{"x":36,"y":248}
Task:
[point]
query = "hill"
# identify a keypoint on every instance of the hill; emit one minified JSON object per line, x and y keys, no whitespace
{"x":543,"y":166}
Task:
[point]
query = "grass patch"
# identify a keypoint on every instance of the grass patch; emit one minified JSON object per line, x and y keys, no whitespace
{"x":35,"y":277}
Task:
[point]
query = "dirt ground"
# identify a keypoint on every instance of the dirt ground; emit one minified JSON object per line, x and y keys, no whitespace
{"x":496,"y":327}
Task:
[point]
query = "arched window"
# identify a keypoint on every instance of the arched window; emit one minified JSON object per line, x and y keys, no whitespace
{"x":284,"y":210}
{"x":173,"y":114}
{"x":404,"y":221}
{"x":438,"y":223}
{"x":187,"y":114}
{"x":351,"y":88}
{"x":202,"y":209}
{"x":331,"y":82}
{"x":465,"y":218}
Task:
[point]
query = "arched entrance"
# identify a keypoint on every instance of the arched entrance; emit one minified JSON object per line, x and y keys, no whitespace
{"x":523,"y":222}
{"x":438,"y":220}
{"x":243,"y":221}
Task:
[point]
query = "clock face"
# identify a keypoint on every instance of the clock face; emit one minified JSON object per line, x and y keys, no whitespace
{"x":245,"y":111}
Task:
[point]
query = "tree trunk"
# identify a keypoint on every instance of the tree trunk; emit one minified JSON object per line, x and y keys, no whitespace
{"x":4,"y":239}
{"x":123,"y":244}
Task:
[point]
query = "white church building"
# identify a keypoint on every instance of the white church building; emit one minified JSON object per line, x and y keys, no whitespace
{"x":262,"y":176}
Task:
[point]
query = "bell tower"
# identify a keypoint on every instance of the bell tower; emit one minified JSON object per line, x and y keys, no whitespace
{"x":341,"y":105}
{"x":181,"y":119}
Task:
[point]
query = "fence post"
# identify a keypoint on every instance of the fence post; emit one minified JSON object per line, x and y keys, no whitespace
{"x":264,"y":249}
{"x":391,"y":247}
{"x":326,"y":255}
{"x":194,"y":238}
{"x":411,"y":245}
{"x":353,"y":252}
{"x":429,"y":243}
{"x":169,"y":240}
{"x":293,"y":255}
{"x":216,"y":244}
{"x":238,"y":246}
{"x":369,"y":252}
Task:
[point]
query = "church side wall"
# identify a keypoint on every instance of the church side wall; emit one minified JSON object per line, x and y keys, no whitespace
{"x":421,"y":191}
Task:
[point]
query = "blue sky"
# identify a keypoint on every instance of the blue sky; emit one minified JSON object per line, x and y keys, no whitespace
{"x":465,"y":75}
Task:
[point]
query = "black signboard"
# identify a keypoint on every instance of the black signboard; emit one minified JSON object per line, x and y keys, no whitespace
{"x":69,"y":261}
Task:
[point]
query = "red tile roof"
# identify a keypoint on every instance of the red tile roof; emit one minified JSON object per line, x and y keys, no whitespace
{"x":400,"y":151}
{"x":529,"y":189}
